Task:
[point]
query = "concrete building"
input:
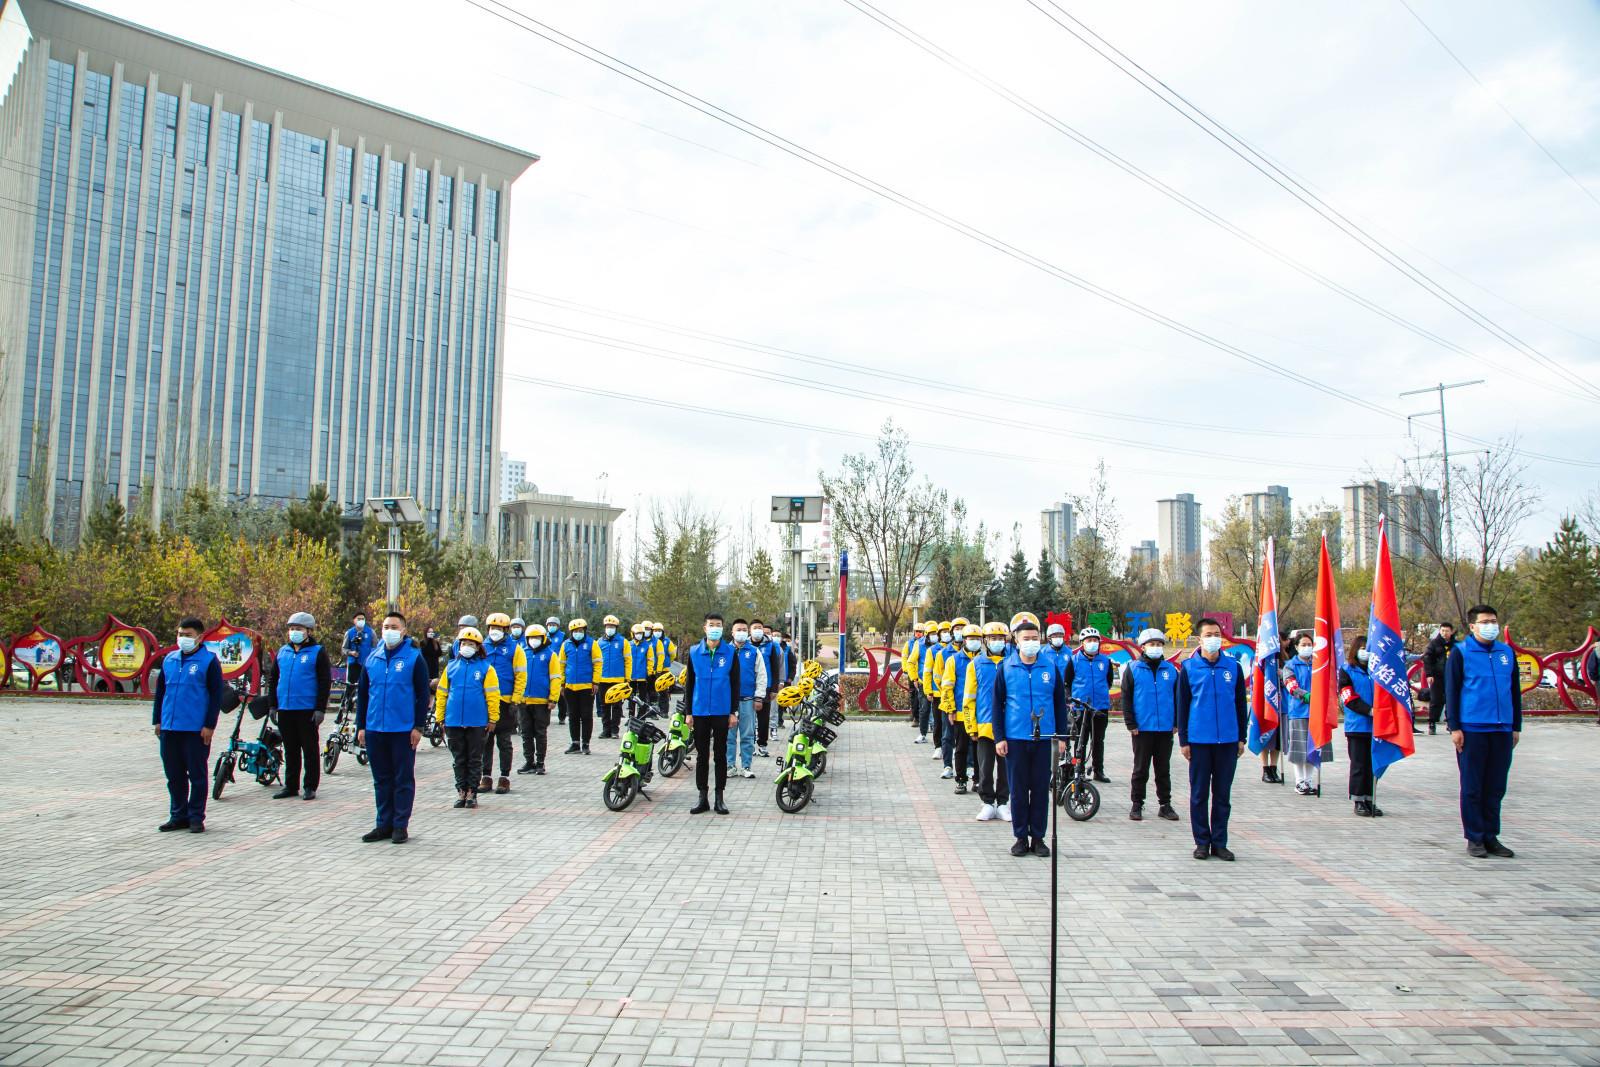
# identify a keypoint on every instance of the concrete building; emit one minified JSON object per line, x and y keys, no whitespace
{"x":1266,"y":510}
{"x":226,"y":276}
{"x":1146,"y":555}
{"x":1057,"y":527}
{"x":1328,"y":521}
{"x":567,"y":547}
{"x":513,"y":475}
{"x":1417,"y":522}
{"x":1178,"y":538}
{"x":1364,"y":502}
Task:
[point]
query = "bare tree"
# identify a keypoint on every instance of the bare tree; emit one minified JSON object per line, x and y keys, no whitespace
{"x":1092,"y":573}
{"x":888,"y":519}
{"x":1493,"y":499}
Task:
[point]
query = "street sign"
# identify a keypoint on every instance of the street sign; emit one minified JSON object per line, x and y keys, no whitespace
{"x":797,"y":509}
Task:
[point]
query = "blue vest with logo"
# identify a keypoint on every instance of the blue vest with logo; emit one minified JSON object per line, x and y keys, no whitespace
{"x":500,"y":655}
{"x":1155,"y":696}
{"x":748,"y":655}
{"x":185,"y":700}
{"x":613,"y":664}
{"x":538,"y":664}
{"x":1091,"y":680}
{"x":1487,"y":674}
{"x":1212,"y":690}
{"x":297,"y":678}
{"x":1361,"y":682}
{"x":579,"y":669}
{"x":361,"y":643}
{"x":639,"y":663}
{"x":1030,"y":689}
{"x":713,"y":674}
{"x":959,"y":687}
{"x":391,"y":698}
{"x":983,"y":699}
{"x":1301,"y":669}
{"x":777,"y":662}
{"x":465,"y":703}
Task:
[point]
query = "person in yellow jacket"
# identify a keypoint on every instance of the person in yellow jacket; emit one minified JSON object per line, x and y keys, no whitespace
{"x":910,"y":653}
{"x":467,"y":703}
{"x":925,"y":671}
{"x":994,"y":788}
{"x":943,"y":737}
{"x":505,"y":654}
{"x":538,"y":694}
{"x":611,"y":654}
{"x":953,"y":703}
{"x":573,"y":678}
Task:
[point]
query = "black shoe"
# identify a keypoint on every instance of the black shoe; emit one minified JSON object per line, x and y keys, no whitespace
{"x":574,"y":747}
{"x":719,"y":807}
{"x":585,"y":750}
{"x":1202,"y":852}
{"x":285,"y":793}
{"x":1363,"y":809}
{"x":1222,"y":852}
{"x":173,"y":824}
{"x":1377,"y":812}
{"x":399,"y":836}
{"x":1266,"y":775}
{"x":1099,"y":777}
{"x":538,"y":768}
{"x":1136,"y":813}
{"x":1495,"y":848}
{"x":1020,"y":847}
{"x":1040,"y":848}
{"x":1477,"y":850}
{"x":528,"y":768}
{"x":1433,"y":729}
{"x":378,"y":833}
{"x":702,"y":807}
{"x":472,"y":800}
{"x":197,"y":828}
{"x":961,"y":788}
{"x":309,"y":794}
{"x":461,"y":802}
{"x":1167,"y":813}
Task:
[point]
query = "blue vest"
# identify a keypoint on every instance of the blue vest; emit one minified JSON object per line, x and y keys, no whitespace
{"x":465,"y":703}
{"x":1155,"y":696}
{"x":1361,"y":683}
{"x":1030,"y":690}
{"x":925,"y":657}
{"x":579,"y":662}
{"x":499,"y":655}
{"x":391,"y":695}
{"x":613,"y":664}
{"x":1487,"y":674}
{"x":185,"y":700}
{"x":777,"y":663}
{"x":1212,"y":690}
{"x":639,"y":664}
{"x":713,"y":673}
{"x":934,"y":676}
{"x":297,"y":678}
{"x":748,"y":654}
{"x":1091,"y":680}
{"x":983,"y":699}
{"x":1061,"y":657}
{"x":361,"y":643}
{"x":1300,"y":708}
{"x":959,"y":687}
{"x":555,"y":637}
{"x":538,"y":664}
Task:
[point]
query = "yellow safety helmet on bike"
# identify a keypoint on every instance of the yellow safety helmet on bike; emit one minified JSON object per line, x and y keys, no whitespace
{"x":812,"y":669}
{"x":790,"y":696}
{"x":619,"y":692}
{"x":805,"y":686}
{"x":665,"y":681}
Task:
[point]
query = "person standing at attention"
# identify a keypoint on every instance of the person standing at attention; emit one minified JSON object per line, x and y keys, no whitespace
{"x":711,"y":698}
{"x":188,"y":701}
{"x":1030,"y":698}
{"x":1211,"y":732}
{"x":1483,"y":707}
{"x":391,"y":707}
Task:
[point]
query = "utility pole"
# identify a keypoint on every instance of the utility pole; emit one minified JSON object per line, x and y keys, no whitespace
{"x":1444,"y":440}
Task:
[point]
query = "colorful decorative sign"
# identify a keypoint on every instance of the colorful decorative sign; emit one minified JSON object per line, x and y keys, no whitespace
{"x":1180,"y":627}
{"x":117,"y":654}
{"x":235,"y":649}
{"x":1101,"y":620}
{"x":1138,"y":622}
{"x":38,"y":652}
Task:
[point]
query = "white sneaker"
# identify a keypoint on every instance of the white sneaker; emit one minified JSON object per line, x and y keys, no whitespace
{"x":948,"y":773}
{"x":748,"y":773}
{"x":1005,"y":812}
{"x":920,"y":740}
{"x":938,"y":752}
{"x":988,"y":814}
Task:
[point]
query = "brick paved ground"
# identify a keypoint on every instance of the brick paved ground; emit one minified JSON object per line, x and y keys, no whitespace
{"x":542,"y":928}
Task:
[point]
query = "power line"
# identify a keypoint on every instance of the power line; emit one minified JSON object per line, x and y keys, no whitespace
{"x":1259,"y":161}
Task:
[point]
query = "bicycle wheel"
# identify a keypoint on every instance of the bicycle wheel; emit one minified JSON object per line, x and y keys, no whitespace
{"x":793,"y":794}
{"x":221,"y":776}
{"x":618,"y":792}
{"x":330,"y":754}
{"x":670,"y":761}
{"x":1083,"y":800}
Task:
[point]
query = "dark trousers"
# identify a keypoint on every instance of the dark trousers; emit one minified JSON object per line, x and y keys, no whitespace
{"x":1360,"y":748}
{"x":763,"y":721}
{"x":299,"y":746}
{"x":915,"y":693}
{"x":1211,"y":770}
{"x":611,"y":719}
{"x":994,"y":785}
{"x":1028,"y":765}
{"x":580,"y":714}
{"x":1435,"y":701}
{"x":1152,"y":747}
{"x":535,"y":722}
{"x":1485,"y":764}
{"x":710,"y":744}
{"x":394,"y":776}
{"x":1097,"y":742}
{"x":184,"y":757}
{"x":561,"y":707}
{"x":466,"y":755}
{"x":961,"y":750}
{"x":499,"y":737}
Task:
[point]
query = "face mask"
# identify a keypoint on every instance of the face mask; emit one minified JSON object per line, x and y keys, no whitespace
{"x":1362,"y":654}
{"x":1305,"y":651}
{"x":516,"y":631}
{"x":1057,"y":642}
{"x":552,"y":624}
{"x":496,"y":634}
{"x":714,"y":633}
{"x":1028,"y":646}
{"x":187,"y":644}
{"x":468,"y":651}
{"x":297,"y":637}
{"x":360,"y":623}
{"x":392,"y":638}
{"x":1211,"y":645}
{"x":577,"y":636}
{"x":757,"y":632}
{"x":659,"y":633}
{"x":1488,"y":630}
{"x":1155,"y":652}
{"x":944,"y":639}
{"x":740,"y":637}
{"x":611,"y":631}
{"x":1091,"y":647}
{"x":432,"y":634}
{"x":973,"y":644}
{"x":997,"y":645}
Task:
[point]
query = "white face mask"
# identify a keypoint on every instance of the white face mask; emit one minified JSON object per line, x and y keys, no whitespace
{"x":757,"y":633}
{"x":658,"y":633}
{"x":997,"y":645}
{"x":714,"y":633}
{"x":944,"y":639}
{"x":1091,"y":647}
{"x":1488,"y":630}
{"x":740,"y":636}
{"x":611,"y":631}
{"x":495,"y":633}
{"x":1057,"y":642}
{"x":516,"y":631}
{"x":297,"y":637}
{"x":974,"y":644}
{"x":1211,"y":645}
{"x":1028,"y":646}
{"x":187,"y":644}
{"x":535,"y":643}
{"x":468,"y":651}
{"x":392,"y":638}
{"x":1304,"y":651}
{"x":1362,"y":654}
{"x":1155,"y":652}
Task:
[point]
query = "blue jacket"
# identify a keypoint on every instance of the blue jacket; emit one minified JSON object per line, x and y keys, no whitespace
{"x":1482,"y":688}
{"x":296,"y":687}
{"x":777,"y":662}
{"x":361,"y":644}
{"x":554,"y":637}
{"x":957,"y":663}
{"x":1211,"y":701}
{"x":1023,"y":689}
{"x":394,"y":692}
{"x":1355,"y":693}
{"x":1150,"y":696}
{"x":501,"y":655}
{"x":1091,"y":680}
{"x":188,"y":691}
{"x":711,"y":680}
{"x":465,"y":703}
{"x":641,"y":657}
{"x":613,"y":658}
{"x":536,"y":690}
{"x":1299,"y":704}
{"x":748,"y":655}
{"x":577,"y":658}
{"x":986,"y":669}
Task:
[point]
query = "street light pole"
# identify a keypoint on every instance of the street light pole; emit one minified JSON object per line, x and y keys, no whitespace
{"x":1444,"y":439}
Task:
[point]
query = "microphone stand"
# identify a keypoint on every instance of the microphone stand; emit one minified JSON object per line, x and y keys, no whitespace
{"x":1055,"y":878}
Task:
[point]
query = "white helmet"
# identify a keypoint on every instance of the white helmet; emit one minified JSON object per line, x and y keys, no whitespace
{"x":1088,"y":632}
{"x":1152,"y":634}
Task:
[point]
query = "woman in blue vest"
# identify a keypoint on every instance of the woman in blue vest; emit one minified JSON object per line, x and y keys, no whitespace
{"x":1355,"y":694}
{"x":538,"y":693}
{"x":1150,"y":711}
{"x":467,"y":702}
{"x":994,"y":787}
{"x":187,"y":702}
{"x":503,"y":652}
{"x":1030,"y":698}
{"x":953,"y":702}
{"x":611,"y":654}
{"x":711,"y":685}
{"x":298,"y":680}
{"x":391,"y":707}
{"x":575,"y":672}
{"x":1483,"y":708}
{"x":1211,"y":732}
{"x":1090,"y":679}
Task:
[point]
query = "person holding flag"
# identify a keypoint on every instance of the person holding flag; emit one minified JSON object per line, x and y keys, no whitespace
{"x":1297,"y":723}
{"x":1355,"y":692}
{"x":1327,"y":650}
{"x":1483,"y":708}
{"x":1392,"y":740}
{"x":1266,"y":689}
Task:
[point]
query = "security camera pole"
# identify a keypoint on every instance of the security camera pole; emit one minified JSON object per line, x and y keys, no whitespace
{"x":394,"y":513}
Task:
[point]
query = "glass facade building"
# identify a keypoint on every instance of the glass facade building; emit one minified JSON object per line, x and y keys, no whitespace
{"x":215,"y":274}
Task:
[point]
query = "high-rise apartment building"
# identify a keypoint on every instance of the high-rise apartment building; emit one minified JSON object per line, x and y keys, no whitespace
{"x":1146,"y":555}
{"x":1178,"y":538}
{"x":1267,"y":510}
{"x":222,"y":275}
{"x":567,"y":547}
{"x":1364,"y":502}
{"x":1416,"y":519}
{"x":513,"y":476}
{"x":1057,"y":527}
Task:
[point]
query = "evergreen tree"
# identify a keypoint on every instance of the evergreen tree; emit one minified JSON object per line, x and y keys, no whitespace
{"x":944,"y":600}
{"x":316,"y":518}
{"x":1564,"y":594}
{"x":1046,"y":595}
{"x":761,"y":588}
{"x":1016,"y":588}
{"x":107,"y":524}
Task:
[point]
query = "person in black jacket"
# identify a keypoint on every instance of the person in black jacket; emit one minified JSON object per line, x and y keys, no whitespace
{"x":431,"y":651}
{"x":298,"y":681}
{"x":1433,"y":660}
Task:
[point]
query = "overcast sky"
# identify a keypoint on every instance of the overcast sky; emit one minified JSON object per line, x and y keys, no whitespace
{"x":642,"y":207}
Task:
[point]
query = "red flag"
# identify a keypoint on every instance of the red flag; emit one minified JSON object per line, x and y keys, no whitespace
{"x":1328,"y":657}
{"x":1386,"y":663}
{"x":1265,"y":693}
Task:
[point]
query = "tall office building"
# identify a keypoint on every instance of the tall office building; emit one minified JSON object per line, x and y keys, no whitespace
{"x":513,"y":475}
{"x":1364,"y":502}
{"x":1178,"y":538}
{"x":1266,"y":510}
{"x":1057,"y":527}
{"x":227,"y":276}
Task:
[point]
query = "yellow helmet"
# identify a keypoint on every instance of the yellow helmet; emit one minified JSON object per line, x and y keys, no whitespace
{"x":919,"y":627}
{"x":811,"y":668}
{"x":643,"y":624}
{"x":994,"y":628}
{"x":610,"y":620}
{"x":665,"y":681}
{"x":470,"y":633}
{"x":789,"y":696}
{"x":637,"y":631}
{"x":942,"y":627}
{"x":577,"y":624}
{"x":536,"y":630}
{"x":972,"y":630}
{"x":805,"y":686}
{"x":498,"y":618}
{"x":959,"y":623}
{"x":619,"y":692}
{"x":1024,"y":616}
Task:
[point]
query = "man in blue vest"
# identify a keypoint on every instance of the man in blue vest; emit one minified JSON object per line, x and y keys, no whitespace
{"x":1150,"y":711}
{"x":554,"y":635}
{"x":502,"y":650}
{"x":1029,"y":699}
{"x":391,"y":707}
{"x":534,"y":711}
{"x":775,"y":668}
{"x":298,"y":680}
{"x":359,"y":643}
{"x":1483,"y":707}
{"x":753,"y":662}
{"x":711,"y":684}
{"x":611,"y":655}
{"x":187,"y":703}
{"x":1211,"y":731}
{"x":574,"y":671}
{"x":1090,"y":678}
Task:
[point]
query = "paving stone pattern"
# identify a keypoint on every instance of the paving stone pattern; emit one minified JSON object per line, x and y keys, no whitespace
{"x":882,"y":925}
